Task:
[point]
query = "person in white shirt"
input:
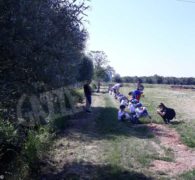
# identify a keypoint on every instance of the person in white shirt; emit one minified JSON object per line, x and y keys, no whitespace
{"x":141,"y":111}
{"x":122,"y":115}
{"x":132,"y":105}
{"x":138,"y":109}
{"x":124,"y":101}
{"x":116,"y":88}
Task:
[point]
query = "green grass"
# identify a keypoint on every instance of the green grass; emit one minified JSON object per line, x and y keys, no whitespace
{"x":188,"y":175}
{"x":107,"y":122}
{"x":125,"y":145}
{"x":110,"y":149}
{"x":182,"y":101}
{"x":187,"y":134}
{"x":149,"y":103}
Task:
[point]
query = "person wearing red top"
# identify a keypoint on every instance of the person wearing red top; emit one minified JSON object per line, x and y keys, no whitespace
{"x":136,"y":94}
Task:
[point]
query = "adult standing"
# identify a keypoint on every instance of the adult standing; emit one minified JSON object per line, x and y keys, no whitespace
{"x":88,"y":93}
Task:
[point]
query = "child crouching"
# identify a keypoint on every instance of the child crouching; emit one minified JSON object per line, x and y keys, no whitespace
{"x":122,"y":115}
{"x":166,"y":113}
{"x":141,"y":111}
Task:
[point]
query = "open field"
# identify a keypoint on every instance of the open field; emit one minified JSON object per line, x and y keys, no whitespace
{"x":97,"y":146}
{"x":181,"y":100}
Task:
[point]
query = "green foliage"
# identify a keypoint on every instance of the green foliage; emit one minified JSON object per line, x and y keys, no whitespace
{"x":102,"y":71}
{"x":71,"y":98}
{"x":8,"y":143}
{"x":41,"y":46}
{"x":7,"y":132}
{"x":35,"y":36}
{"x":77,"y":95}
{"x":156,"y":79}
{"x":60,"y":123}
{"x":19,"y":153}
{"x":117,"y":78}
{"x":99,"y":58}
{"x":188,"y":175}
{"x":85,"y":69}
{"x":94,"y":86}
{"x":187,"y":134}
{"x":37,"y":143}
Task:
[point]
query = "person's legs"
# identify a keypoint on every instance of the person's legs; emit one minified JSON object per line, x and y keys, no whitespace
{"x":133,"y":118}
{"x":127,"y":116}
{"x":115,"y":94}
{"x":165,"y":120}
{"x":123,"y":117}
{"x":168,"y":121}
{"x":88,"y":103}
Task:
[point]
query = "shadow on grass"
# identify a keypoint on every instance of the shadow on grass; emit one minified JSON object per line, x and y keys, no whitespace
{"x":86,"y":170}
{"x":177,"y":122}
{"x":104,"y":92}
{"x":102,"y":123}
{"x":109,"y":126}
{"x":96,"y":94}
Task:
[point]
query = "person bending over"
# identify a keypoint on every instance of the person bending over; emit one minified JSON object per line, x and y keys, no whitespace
{"x":166,"y":113}
{"x":116,"y":88}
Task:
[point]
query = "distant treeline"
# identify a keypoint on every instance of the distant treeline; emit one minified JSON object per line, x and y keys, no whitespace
{"x":156,"y":79}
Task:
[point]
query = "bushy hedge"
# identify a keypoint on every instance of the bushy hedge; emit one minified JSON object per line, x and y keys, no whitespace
{"x":42,"y":46}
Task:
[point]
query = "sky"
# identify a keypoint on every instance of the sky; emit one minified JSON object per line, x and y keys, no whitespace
{"x":144,"y":37}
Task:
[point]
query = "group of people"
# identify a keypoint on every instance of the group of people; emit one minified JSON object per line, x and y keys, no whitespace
{"x":136,"y":108}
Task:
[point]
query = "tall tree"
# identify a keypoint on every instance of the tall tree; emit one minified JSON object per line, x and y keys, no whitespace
{"x":41,"y":43}
{"x":100,"y":62}
{"x":85,"y":69}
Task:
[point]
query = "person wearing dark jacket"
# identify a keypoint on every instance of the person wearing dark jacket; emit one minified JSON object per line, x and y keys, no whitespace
{"x":88,"y":93}
{"x":166,"y":113}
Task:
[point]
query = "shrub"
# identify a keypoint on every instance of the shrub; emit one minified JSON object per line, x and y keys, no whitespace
{"x":94,"y":87}
{"x":36,"y":145}
{"x":77,"y":95}
{"x":59,"y":124}
{"x":9,"y":141}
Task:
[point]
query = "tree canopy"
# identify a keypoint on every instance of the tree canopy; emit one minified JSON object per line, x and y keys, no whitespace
{"x":156,"y":79}
{"x":102,"y":71}
{"x":42,"y":43}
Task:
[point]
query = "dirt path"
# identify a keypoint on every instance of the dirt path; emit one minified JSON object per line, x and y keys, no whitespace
{"x":184,"y":156}
{"x":78,"y":151}
{"x":77,"y":147}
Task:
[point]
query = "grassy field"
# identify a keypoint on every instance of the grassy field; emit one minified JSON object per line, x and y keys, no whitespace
{"x":181,"y":100}
{"x":127,"y":146}
{"x":98,"y":146}
{"x":134,"y":147}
